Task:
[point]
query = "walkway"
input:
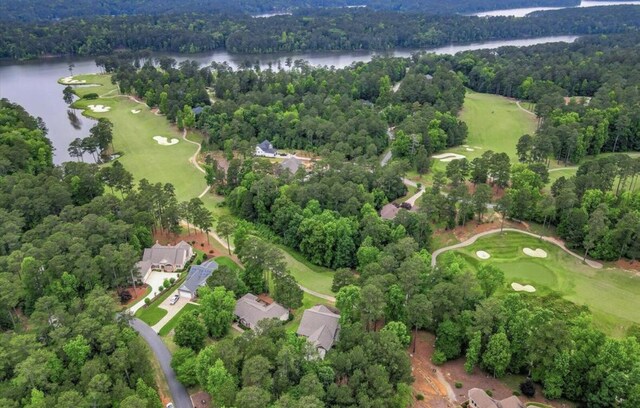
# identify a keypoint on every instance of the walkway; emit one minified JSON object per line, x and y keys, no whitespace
{"x":172,"y":310}
{"x":178,"y":391}
{"x":473,"y":239}
{"x":526,"y":110}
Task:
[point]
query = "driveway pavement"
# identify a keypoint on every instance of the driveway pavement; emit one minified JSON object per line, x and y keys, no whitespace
{"x":172,"y":310}
{"x":155,"y":280}
{"x":178,"y":391}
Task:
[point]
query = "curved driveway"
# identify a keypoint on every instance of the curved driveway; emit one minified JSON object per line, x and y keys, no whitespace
{"x":470,"y":241}
{"x":179,"y":393}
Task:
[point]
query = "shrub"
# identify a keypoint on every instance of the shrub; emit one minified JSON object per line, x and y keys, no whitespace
{"x":420,"y":397}
{"x":166,"y":283}
{"x":458,"y":384}
{"x":211,"y":251}
{"x":161,"y":289}
{"x":147,"y":301}
{"x":489,"y":393}
{"x":125,"y":296}
{"x":172,"y":280}
{"x":528,"y":388}
{"x":516,"y":393}
{"x":202,"y":244}
{"x":193,"y":242}
{"x":438,"y":358}
{"x":92,"y":95}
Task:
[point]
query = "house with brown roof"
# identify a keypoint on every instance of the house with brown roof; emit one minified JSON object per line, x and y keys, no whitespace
{"x":167,"y":258}
{"x":389,"y":211}
{"x":320,"y":325}
{"x":251,"y":309}
{"x":480,"y":399}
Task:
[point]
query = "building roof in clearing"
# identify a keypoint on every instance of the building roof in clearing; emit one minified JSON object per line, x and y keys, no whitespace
{"x":197,"y":110}
{"x":292,"y":164}
{"x":320,"y":325}
{"x":198,"y":275}
{"x":482,"y":400}
{"x":250,"y":309}
{"x":167,"y":254}
{"x":267,"y":147}
{"x":389,"y":211}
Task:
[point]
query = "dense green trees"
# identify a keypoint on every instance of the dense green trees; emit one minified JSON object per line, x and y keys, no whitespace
{"x":323,"y":29}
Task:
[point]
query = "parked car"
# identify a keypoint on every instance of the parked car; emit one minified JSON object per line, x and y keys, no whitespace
{"x":174,"y":299}
{"x":170,"y":405}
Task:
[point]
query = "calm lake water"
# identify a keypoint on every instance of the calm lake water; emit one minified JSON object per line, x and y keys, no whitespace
{"x":521,"y":12}
{"x":34,"y":84}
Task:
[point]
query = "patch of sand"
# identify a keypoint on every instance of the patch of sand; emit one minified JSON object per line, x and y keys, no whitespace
{"x":522,"y":288}
{"x":163,"y":141}
{"x":99,"y":108}
{"x":447,"y":157}
{"x":135,"y":111}
{"x":70,"y":81}
{"x":469,"y":149}
{"x":483,"y":255}
{"x":538,"y":253}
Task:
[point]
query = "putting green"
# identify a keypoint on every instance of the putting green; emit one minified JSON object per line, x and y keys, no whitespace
{"x":133,"y":136}
{"x":612,"y":295}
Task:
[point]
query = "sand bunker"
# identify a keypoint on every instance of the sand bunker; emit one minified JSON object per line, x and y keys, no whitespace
{"x":469,"y":149}
{"x":447,"y":157}
{"x":70,"y":81}
{"x":99,"y":108}
{"x":522,"y":288}
{"x":483,"y":255}
{"x":163,"y":141}
{"x":135,"y":111}
{"x":538,"y":253}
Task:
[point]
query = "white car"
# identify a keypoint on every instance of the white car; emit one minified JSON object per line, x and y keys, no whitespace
{"x":170,"y":405}
{"x":173,"y":301}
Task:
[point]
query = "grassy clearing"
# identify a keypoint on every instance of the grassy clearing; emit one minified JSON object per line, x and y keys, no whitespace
{"x":307,"y":274}
{"x":153,"y":313}
{"x":228,"y":262}
{"x":611,"y":294}
{"x":166,"y":329}
{"x":133,"y":136}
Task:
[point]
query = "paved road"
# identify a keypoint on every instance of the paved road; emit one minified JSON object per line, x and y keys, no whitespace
{"x":552,"y":240}
{"x":178,"y":391}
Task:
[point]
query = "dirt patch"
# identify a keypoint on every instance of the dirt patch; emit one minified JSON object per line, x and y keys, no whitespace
{"x":138,"y":293}
{"x":473,"y":227}
{"x":197,"y":239}
{"x":628,"y":265}
{"x":426,"y":381}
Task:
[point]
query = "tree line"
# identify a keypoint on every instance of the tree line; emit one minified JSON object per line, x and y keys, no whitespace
{"x":66,"y":246}
{"x":309,"y":30}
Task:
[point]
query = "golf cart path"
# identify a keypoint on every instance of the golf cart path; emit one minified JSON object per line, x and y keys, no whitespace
{"x":524,"y":109}
{"x":473,"y":239}
{"x":178,"y":391}
{"x":224,"y":243}
{"x":194,"y":159}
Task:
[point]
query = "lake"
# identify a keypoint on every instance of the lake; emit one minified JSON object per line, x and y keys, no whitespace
{"x":521,"y":12}
{"x":34,"y":84}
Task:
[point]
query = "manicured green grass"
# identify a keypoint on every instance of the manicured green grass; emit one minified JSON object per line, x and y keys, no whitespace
{"x":310,"y":276}
{"x":308,"y":301}
{"x":151,"y":315}
{"x":612,"y":295}
{"x":228,"y":262}
{"x":133,"y":136}
{"x":495,"y":123}
{"x":166,"y":329}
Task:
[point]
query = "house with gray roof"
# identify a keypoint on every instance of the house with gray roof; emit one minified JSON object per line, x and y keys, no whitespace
{"x":480,"y":399}
{"x":167,"y":258}
{"x":266,"y":149}
{"x":292,"y":164}
{"x":250,"y":309}
{"x":320,"y":325}
{"x":197,"y":277}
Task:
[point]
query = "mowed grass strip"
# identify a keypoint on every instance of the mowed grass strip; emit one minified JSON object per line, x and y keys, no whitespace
{"x":314,"y":277}
{"x":133,"y":136}
{"x":612,"y":294}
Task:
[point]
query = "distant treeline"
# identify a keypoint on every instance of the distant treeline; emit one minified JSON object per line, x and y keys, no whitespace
{"x":31,"y":10}
{"x":321,"y":30}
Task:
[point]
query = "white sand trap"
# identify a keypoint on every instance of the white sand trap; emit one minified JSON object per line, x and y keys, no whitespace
{"x":163,"y":141}
{"x":538,"y":253}
{"x":469,"y":149}
{"x":70,"y":81}
{"x":135,"y":111}
{"x":99,"y":108}
{"x":522,"y":288}
{"x":447,"y":157}
{"x":483,"y":255}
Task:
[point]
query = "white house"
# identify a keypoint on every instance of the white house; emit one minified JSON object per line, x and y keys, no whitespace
{"x":266,"y":149}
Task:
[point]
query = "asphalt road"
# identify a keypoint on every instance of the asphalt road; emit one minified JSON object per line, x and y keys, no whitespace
{"x":178,"y":391}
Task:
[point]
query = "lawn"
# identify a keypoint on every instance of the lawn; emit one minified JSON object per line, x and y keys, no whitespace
{"x":153,"y":313}
{"x":310,"y":276}
{"x":612,"y":295}
{"x":166,"y":329}
{"x":133,"y":136}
